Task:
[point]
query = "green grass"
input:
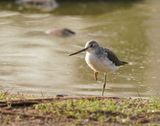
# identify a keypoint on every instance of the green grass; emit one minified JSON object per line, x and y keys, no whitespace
{"x":6,"y":96}
{"x":109,"y":110}
{"x":119,"y":111}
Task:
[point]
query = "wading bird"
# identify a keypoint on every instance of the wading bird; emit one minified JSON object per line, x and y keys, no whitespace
{"x":100,"y":59}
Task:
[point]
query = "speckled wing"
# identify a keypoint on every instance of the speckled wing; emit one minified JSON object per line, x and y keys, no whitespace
{"x":112,"y":57}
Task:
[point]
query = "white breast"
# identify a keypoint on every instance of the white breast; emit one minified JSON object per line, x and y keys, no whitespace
{"x":99,"y":64}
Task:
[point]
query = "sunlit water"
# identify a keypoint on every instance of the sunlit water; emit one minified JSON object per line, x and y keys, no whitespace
{"x":35,"y":63}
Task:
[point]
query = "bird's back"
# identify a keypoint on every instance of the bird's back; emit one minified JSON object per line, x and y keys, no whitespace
{"x":113,"y":58}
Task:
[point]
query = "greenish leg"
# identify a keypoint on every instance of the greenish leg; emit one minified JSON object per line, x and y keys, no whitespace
{"x":104,"y":85}
{"x":95,"y":75}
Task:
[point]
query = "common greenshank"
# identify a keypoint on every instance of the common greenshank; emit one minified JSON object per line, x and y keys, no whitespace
{"x":100,"y":59}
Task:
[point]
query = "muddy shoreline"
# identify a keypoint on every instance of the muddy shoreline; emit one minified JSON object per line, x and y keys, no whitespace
{"x":78,"y":110}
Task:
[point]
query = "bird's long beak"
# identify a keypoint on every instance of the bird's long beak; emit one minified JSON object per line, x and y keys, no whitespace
{"x":82,"y":50}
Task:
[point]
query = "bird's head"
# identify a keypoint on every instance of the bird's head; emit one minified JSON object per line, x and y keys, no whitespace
{"x":91,"y":46}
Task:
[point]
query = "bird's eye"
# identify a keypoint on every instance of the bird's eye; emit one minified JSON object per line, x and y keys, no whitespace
{"x":91,"y":45}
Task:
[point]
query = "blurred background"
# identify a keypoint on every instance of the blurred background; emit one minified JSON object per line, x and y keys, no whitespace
{"x":36,"y":37}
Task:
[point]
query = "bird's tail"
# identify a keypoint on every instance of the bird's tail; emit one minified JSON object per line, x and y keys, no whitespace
{"x":123,"y":62}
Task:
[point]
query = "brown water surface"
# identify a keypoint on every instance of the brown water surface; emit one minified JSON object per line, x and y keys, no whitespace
{"x":35,"y":63}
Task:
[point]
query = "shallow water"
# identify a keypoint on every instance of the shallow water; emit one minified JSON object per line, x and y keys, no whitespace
{"x":35,"y":63}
